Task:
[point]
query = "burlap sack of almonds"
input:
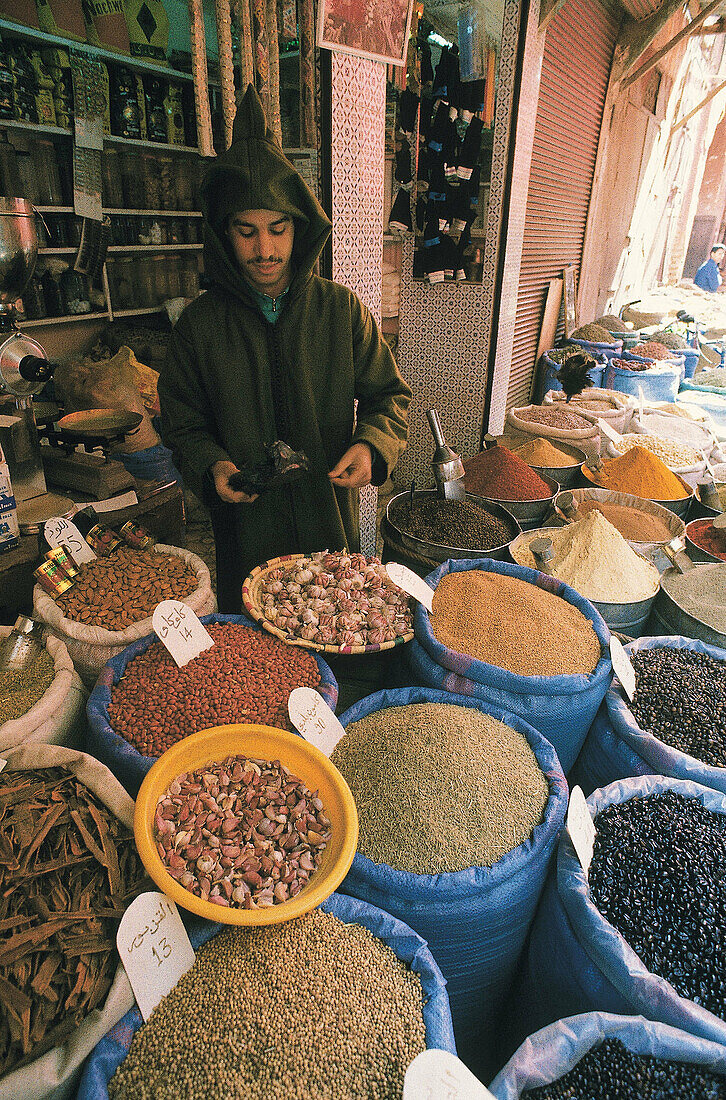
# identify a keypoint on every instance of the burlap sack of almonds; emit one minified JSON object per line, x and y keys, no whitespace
{"x":58,"y":716}
{"x":116,"y":383}
{"x":90,"y":647}
{"x":54,"y":1074}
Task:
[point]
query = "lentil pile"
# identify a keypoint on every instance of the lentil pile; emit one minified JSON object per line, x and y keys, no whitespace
{"x":243,"y":833}
{"x":464,"y":523}
{"x":340,"y":599}
{"x":658,"y":875}
{"x":652,"y":349}
{"x":480,"y":775}
{"x":126,"y":586}
{"x":508,"y":622}
{"x":679,"y":428}
{"x":700,"y":592}
{"x":247,"y":676}
{"x":593,"y":557}
{"x":20,"y":689}
{"x":612,"y":1072}
{"x":540,"y":452}
{"x":632,"y":523}
{"x":502,"y":475}
{"x":554,"y":416}
{"x":310,"y":1008}
{"x":703,"y":533}
{"x":68,"y":869}
{"x":680,"y":698}
{"x":640,"y":473}
{"x":671,"y":452}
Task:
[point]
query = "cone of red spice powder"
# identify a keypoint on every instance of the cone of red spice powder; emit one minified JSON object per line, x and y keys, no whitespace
{"x":499,"y":474}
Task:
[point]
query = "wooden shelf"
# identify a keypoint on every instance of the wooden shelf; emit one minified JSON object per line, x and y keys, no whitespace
{"x":65,"y":320}
{"x":137,"y":312}
{"x":65,"y":251}
{"x":44,"y":39}
{"x":34,"y":127}
{"x":115,"y":210}
{"x":154,"y":247}
{"x":55,"y":209}
{"x":157,"y":146}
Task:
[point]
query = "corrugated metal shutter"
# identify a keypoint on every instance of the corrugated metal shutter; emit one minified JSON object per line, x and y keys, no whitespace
{"x":575,"y":72}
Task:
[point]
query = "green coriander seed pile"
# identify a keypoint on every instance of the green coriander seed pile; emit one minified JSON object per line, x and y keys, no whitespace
{"x":311,"y":1008}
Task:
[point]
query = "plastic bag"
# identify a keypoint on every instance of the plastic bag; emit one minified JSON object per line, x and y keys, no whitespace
{"x":617,"y":748}
{"x":410,"y":948}
{"x":58,"y":716}
{"x":552,"y":1052}
{"x":560,"y":707}
{"x":90,"y":647}
{"x":124,"y":760}
{"x":475,"y":921}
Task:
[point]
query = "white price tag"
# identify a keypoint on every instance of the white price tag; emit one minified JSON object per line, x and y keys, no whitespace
{"x":607,"y":431}
{"x":312,"y":716}
{"x":59,"y":531}
{"x":115,"y":504}
{"x":581,"y":828}
{"x":622,"y":667}
{"x":154,"y":947}
{"x":178,"y":628}
{"x":411,"y":584}
{"x":438,"y":1075}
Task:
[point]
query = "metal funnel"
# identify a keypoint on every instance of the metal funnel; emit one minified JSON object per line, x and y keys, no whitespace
{"x":18,"y":249}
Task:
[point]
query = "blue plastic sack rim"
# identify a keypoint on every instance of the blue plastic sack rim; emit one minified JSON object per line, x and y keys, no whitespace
{"x":474,"y":879}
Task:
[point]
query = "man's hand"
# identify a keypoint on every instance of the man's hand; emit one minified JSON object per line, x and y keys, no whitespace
{"x":221,"y":473}
{"x":355,"y":468}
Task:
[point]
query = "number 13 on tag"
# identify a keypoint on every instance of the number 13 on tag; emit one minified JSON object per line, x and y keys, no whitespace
{"x":154,"y":948}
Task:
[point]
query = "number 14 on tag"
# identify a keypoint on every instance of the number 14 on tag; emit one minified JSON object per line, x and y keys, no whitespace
{"x":178,"y":628}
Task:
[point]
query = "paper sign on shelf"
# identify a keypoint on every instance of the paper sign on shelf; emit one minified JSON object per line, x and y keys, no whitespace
{"x":438,"y":1075}
{"x":312,"y":716}
{"x":178,"y":628}
{"x":63,"y":532}
{"x":411,"y":584}
{"x":115,"y":504}
{"x":581,"y":828}
{"x":622,"y":667}
{"x":154,"y":948}
{"x":610,"y":433}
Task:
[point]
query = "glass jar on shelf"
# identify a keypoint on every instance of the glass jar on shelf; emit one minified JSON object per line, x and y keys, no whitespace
{"x":146,"y":296}
{"x":52,"y":294}
{"x":185,"y":183}
{"x":189,"y":275}
{"x":34,"y":300}
{"x":159,"y":276}
{"x":167,"y":178}
{"x":152,"y":183}
{"x":113,"y":194}
{"x":9,"y":175}
{"x":173,"y":275}
{"x":132,"y":181}
{"x":47,"y":174}
{"x":75,"y":292}
{"x":120,"y":275}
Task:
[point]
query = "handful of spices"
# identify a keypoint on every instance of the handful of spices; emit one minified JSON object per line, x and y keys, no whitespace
{"x":247,"y":676}
{"x":336,"y":599}
{"x":310,"y":1008}
{"x":612,"y":1072}
{"x":68,"y":869}
{"x":20,"y":689}
{"x":464,"y":523}
{"x":121,"y":589}
{"x":658,"y":875}
{"x":243,"y":833}
{"x":480,"y":775}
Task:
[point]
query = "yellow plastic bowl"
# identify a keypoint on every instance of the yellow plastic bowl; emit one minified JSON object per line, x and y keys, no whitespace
{"x":262,"y":743}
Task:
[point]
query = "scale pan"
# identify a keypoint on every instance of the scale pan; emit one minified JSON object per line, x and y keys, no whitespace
{"x":100,"y":422}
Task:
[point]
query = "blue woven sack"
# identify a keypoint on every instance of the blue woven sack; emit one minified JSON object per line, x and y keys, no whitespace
{"x":475,"y":921}
{"x":707,"y":399}
{"x":118,"y":754}
{"x":151,"y":464}
{"x":548,"y":380}
{"x":576,"y":961}
{"x":617,"y":748}
{"x":552,"y":1052}
{"x":109,"y":1054}
{"x":560,"y":707}
{"x":610,"y":350}
{"x":658,"y":383}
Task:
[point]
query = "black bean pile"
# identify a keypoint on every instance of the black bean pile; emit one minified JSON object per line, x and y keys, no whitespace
{"x":680,"y":698}
{"x":611,"y":1072}
{"x":658,"y":874}
{"x":459,"y":523}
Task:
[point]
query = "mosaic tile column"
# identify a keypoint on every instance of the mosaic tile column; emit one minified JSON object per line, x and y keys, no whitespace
{"x":358,"y":162}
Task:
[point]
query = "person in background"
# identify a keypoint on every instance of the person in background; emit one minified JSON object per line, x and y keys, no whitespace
{"x":708,"y":276}
{"x":272,"y":351}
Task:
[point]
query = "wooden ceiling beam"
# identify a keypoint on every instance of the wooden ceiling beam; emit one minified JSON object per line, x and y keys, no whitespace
{"x":548,"y":10}
{"x":707,"y":99}
{"x":630,"y":75}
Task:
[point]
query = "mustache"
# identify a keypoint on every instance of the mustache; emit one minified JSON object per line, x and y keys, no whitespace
{"x":267,"y":260}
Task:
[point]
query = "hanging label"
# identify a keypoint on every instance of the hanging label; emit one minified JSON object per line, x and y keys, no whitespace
{"x":178,"y":628}
{"x":312,"y":716}
{"x":412,"y":585}
{"x":581,"y":828}
{"x":154,"y":947}
{"x":622,"y":667}
{"x":438,"y":1075}
{"x":608,"y":432}
{"x":59,"y":531}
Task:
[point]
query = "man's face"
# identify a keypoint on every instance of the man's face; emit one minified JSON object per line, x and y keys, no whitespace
{"x":262,"y":243}
{"x":718,"y":255}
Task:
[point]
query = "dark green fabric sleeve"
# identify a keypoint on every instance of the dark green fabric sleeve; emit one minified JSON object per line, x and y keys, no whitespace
{"x":383,"y":396}
{"x":187,"y":418}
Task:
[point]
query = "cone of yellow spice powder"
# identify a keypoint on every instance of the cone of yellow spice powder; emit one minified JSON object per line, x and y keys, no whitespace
{"x":640,"y":473}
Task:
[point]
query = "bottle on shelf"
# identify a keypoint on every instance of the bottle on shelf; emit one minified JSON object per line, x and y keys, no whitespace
{"x":113,"y":195}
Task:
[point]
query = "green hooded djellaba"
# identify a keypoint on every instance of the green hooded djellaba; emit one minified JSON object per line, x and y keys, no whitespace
{"x":234,"y":382}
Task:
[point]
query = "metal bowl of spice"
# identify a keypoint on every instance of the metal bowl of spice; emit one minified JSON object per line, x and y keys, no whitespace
{"x":442,"y":529}
{"x":643,"y":523}
{"x":530,"y":513}
{"x":556,"y":461}
{"x":704,"y":542}
{"x":246,"y":824}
